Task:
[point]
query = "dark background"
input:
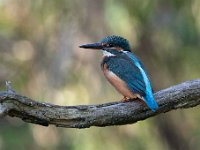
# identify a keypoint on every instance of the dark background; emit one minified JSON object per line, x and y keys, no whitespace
{"x":39,"y":54}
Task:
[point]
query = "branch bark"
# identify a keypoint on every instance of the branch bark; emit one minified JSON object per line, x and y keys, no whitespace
{"x":184,"y":95}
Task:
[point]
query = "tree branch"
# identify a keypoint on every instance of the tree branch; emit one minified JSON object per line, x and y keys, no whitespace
{"x":184,"y":95}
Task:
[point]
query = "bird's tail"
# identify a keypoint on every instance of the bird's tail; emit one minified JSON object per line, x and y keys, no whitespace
{"x":150,"y":101}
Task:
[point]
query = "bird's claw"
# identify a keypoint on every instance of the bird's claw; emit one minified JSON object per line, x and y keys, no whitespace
{"x":126,"y":99}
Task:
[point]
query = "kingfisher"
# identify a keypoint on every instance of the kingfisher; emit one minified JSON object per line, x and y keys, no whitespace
{"x":124,"y":70}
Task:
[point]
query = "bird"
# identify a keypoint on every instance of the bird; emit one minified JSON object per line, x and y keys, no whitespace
{"x":124,"y":70}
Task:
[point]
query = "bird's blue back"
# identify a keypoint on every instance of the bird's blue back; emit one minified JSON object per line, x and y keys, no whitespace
{"x":149,"y":93}
{"x":128,"y":68}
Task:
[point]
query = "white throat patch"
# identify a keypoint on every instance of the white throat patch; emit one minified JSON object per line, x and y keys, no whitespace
{"x":107,"y":54}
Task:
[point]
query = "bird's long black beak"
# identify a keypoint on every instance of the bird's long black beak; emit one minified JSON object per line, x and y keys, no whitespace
{"x":92,"y":46}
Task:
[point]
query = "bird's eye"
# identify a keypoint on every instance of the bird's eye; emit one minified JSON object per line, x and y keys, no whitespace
{"x":110,"y":45}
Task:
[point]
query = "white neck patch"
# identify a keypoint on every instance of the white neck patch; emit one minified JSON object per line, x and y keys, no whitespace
{"x":107,"y":54}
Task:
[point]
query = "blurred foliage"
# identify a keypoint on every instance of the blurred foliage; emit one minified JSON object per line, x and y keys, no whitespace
{"x":40,"y":55}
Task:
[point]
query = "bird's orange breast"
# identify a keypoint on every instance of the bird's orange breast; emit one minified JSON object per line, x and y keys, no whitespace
{"x":118,"y":83}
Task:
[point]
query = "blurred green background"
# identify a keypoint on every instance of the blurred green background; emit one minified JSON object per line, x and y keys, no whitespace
{"x":39,"y":54}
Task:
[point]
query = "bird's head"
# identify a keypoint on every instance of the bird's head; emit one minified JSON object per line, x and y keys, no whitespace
{"x":110,"y":44}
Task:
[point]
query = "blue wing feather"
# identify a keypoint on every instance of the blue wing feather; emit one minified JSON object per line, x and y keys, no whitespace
{"x":128,"y":72}
{"x":149,"y":98}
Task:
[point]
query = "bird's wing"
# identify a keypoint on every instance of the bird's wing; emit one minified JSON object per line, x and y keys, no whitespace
{"x":128,"y":71}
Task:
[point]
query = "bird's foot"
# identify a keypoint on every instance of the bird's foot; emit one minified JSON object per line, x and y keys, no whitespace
{"x":133,"y":98}
{"x":125,"y":99}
